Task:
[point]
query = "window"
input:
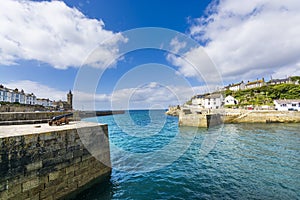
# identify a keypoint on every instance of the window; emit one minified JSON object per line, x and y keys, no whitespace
{"x":294,"y":105}
{"x":283,"y":105}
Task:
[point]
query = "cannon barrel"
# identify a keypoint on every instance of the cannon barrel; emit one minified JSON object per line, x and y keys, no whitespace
{"x":61,"y":116}
{"x":58,"y":120}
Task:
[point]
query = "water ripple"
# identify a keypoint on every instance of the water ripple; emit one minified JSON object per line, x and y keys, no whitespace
{"x":249,"y":161}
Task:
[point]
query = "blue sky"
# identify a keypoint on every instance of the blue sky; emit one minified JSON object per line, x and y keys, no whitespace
{"x":43,"y":44}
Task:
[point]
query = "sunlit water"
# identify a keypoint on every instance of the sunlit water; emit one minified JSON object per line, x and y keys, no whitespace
{"x":240,"y":161}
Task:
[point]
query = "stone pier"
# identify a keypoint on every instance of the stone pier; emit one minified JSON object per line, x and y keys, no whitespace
{"x":42,"y":162}
{"x":199,"y":120}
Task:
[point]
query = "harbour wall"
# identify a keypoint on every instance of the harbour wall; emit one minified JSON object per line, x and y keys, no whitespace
{"x":14,"y":118}
{"x":229,"y":116}
{"x":22,"y":116}
{"x":261,"y":116}
{"x":51,"y":162}
{"x":199,"y":120}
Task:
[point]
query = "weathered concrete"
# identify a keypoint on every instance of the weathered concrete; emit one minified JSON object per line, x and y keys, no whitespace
{"x":43,"y":162}
{"x":199,"y":120}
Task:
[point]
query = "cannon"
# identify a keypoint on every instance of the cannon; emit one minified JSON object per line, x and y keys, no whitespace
{"x":60,"y":119}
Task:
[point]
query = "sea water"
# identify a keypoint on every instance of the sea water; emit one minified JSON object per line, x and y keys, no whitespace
{"x":232,"y":161}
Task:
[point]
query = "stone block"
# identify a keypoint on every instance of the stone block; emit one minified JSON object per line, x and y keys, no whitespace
{"x":47,"y":193}
{"x":34,"y":197}
{"x":4,"y":195}
{"x":33,"y":192}
{"x":33,"y":183}
{"x":70,"y":169}
{"x":14,"y":190}
{"x":34,"y":166}
{"x":30,"y":139}
{"x":53,"y":175}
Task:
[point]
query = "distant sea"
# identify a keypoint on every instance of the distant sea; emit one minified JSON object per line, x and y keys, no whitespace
{"x":233,"y":161}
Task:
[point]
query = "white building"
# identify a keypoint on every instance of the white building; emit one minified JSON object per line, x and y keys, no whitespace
{"x":16,"y":96}
{"x":213,"y":101}
{"x":44,"y":102}
{"x":255,"y":84}
{"x":285,"y":105}
{"x":198,"y":101}
{"x":30,"y":99}
{"x":230,"y":100}
{"x":280,"y":81}
{"x":2,"y":93}
{"x":236,"y":87}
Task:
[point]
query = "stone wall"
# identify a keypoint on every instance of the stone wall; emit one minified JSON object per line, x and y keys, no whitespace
{"x":50,"y":162}
{"x":21,"y":108}
{"x":262,"y":116}
{"x":14,"y":116}
{"x":238,"y":116}
{"x":199,"y":120}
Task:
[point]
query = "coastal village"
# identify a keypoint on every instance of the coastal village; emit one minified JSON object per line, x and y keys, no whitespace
{"x":254,"y":101}
{"x":15,"y":100}
{"x":67,"y":67}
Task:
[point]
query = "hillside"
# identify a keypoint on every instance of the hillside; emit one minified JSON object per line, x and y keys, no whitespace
{"x":266,"y":94}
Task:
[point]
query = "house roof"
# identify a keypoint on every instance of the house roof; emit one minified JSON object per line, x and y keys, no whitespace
{"x":214,"y":96}
{"x":236,"y":84}
{"x":198,"y":96}
{"x":229,"y":96}
{"x":255,"y":82}
{"x":280,"y":80}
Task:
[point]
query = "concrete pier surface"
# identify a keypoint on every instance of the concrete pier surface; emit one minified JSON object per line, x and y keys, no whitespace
{"x":38,"y":161}
{"x":30,"y":129}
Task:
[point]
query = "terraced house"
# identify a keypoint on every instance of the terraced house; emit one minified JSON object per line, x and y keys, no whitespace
{"x":16,"y":96}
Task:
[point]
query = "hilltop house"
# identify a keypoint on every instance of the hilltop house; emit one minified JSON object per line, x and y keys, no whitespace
{"x":213,"y":101}
{"x":255,"y":84}
{"x":230,"y":100}
{"x":236,"y":86}
{"x":280,"y":81}
{"x":285,"y":105}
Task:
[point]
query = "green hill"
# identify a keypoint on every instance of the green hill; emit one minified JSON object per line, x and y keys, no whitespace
{"x":266,"y":94}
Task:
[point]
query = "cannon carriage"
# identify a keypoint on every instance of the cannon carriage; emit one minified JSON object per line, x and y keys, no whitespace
{"x":60,"y":119}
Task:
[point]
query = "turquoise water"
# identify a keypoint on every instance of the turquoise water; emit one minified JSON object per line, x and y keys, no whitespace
{"x":234,"y":161}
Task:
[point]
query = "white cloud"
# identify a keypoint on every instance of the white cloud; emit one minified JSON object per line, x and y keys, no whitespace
{"x":249,"y":39}
{"x":151,"y":95}
{"x":196,"y":63}
{"x":177,"y":45}
{"x":53,"y":33}
{"x":148,"y":95}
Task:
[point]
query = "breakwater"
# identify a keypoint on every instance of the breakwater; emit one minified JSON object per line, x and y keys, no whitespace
{"x":261,"y":116}
{"x":16,"y":118}
{"x":28,"y":116}
{"x":88,"y":114}
{"x":199,"y":120}
{"x":207,"y":118}
{"x":43,"y":162}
